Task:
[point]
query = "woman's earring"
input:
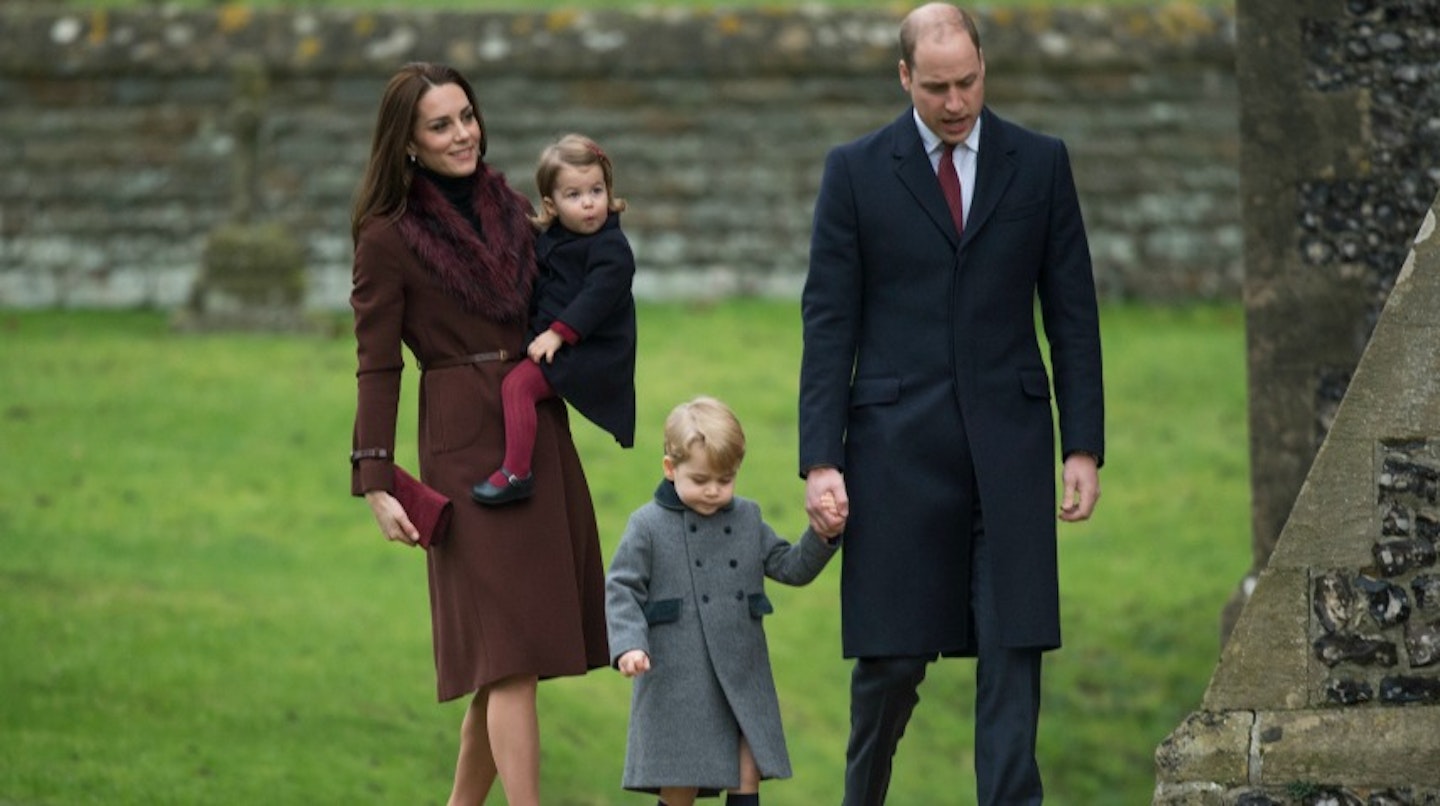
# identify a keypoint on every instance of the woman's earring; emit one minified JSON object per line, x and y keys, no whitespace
{"x":413,"y":161}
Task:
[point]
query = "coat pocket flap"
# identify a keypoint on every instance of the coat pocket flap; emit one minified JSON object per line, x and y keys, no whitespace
{"x":664,"y":611}
{"x":760,"y":605}
{"x":1035,"y":383}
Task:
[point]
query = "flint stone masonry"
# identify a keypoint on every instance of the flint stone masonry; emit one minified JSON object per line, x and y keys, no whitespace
{"x":1376,"y":644}
{"x":119,"y":131}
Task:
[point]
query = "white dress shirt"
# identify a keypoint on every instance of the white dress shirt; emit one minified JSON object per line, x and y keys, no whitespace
{"x":965,"y":156}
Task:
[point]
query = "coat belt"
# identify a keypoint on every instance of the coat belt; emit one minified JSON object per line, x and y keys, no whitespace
{"x":473,"y":358}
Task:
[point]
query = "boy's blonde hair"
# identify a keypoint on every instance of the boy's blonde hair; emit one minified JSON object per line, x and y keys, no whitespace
{"x":577,"y":151}
{"x":705,"y":424}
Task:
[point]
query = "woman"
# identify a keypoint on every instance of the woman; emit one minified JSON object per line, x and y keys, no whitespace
{"x":444,"y":263}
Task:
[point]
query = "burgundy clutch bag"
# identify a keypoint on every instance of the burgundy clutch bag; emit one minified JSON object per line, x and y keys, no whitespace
{"x":425,"y":506}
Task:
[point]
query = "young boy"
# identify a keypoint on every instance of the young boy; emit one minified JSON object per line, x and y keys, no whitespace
{"x":685,"y":602}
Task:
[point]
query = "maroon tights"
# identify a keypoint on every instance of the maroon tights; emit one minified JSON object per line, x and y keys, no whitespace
{"x":523,"y":387}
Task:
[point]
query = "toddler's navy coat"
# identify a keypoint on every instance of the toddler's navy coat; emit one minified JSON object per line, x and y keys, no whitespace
{"x":585,"y":282}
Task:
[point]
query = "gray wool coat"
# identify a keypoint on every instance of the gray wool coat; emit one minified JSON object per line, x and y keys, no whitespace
{"x":689,"y":590}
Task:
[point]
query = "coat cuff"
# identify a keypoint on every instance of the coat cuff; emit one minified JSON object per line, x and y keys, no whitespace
{"x":565,"y":331}
{"x":1099,"y":460}
{"x":371,"y":469}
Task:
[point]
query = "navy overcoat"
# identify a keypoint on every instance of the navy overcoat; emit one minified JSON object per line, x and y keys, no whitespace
{"x":923,"y":380}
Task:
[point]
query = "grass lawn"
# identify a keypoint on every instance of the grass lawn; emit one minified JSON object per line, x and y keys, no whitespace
{"x":193,"y":609}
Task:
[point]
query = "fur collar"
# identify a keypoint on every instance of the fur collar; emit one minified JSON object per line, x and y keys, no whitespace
{"x":491,"y":276}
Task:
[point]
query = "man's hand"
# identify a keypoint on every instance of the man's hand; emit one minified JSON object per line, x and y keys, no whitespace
{"x":826,"y":501}
{"x":1082,"y":487}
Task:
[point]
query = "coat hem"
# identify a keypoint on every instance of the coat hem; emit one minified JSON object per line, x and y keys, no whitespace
{"x":444,"y":697}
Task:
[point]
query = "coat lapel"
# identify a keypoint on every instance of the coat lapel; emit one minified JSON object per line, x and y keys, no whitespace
{"x":913,"y":169}
{"x":994,"y":169}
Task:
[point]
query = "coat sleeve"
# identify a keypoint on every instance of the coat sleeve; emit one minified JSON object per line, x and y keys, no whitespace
{"x":830,"y":313}
{"x":627,"y":590}
{"x":1066,"y":290}
{"x":793,"y":563}
{"x":377,"y":296}
{"x":606,"y":287}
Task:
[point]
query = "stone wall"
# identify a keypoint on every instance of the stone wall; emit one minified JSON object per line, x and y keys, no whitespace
{"x":127,"y":137}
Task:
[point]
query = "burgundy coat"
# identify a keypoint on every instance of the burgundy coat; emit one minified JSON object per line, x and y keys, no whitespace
{"x":517,"y":589}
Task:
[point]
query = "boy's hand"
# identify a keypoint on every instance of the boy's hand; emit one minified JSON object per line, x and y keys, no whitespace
{"x":832,"y":516}
{"x":633,"y":663}
{"x":826,"y":502}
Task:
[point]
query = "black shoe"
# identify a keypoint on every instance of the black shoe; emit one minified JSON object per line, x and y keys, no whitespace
{"x":517,"y":489}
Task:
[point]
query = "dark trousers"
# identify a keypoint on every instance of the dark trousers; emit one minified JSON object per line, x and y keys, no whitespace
{"x":884,"y":692}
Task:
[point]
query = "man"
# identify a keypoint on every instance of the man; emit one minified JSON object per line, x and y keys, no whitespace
{"x":925,"y":407}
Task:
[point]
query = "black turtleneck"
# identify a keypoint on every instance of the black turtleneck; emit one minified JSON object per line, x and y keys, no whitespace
{"x":459,"y":191}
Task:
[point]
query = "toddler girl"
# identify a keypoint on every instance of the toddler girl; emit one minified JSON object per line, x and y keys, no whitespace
{"x":582,"y":313}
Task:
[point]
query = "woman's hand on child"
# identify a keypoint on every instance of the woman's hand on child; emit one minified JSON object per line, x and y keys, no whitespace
{"x":633,"y":663}
{"x":543,"y":347}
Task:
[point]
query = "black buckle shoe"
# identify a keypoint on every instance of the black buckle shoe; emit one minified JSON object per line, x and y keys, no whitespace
{"x":516,"y":489}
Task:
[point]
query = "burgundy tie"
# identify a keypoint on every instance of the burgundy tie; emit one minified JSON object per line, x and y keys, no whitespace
{"x":950,"y":185}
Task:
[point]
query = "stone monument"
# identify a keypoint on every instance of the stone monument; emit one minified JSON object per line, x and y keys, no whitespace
{"x":1328,"y":691}
{"x":1339,"y":159}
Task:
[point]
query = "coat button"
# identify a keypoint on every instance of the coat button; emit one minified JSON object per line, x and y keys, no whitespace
{"x":727,"y":530}
{"x":734,"y":564}
{"x":705,"y":598}
{"x":699,"y":563}
{"x":739,"y":596}
{"x":693,"y":527}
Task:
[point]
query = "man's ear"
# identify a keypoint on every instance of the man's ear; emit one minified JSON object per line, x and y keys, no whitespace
{"x":905,"y":75}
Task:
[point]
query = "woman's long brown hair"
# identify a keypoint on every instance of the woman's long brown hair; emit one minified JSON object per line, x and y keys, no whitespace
{"x":383,"y":189}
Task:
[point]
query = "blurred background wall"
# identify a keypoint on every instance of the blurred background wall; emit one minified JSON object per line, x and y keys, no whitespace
{"x":126,"y":138}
